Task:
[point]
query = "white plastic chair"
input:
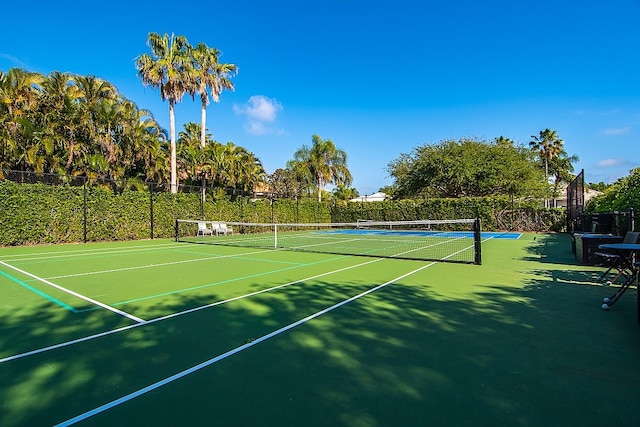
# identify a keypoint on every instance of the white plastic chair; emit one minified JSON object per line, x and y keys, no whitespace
{"x":215,"y":226}
{"x":225,"y":229}
{"x":203,"y":229}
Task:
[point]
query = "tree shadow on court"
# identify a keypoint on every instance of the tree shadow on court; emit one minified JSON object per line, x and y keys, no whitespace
{"x":406,"y":356}
{"x":536,"y":352}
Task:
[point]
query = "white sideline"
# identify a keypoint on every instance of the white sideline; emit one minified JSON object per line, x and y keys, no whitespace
{"x":180,"y":313}
{"x":231,"y":352}
{"x":37,"y":256}
{"x":77,"y":295}
{"x":169,"y":316}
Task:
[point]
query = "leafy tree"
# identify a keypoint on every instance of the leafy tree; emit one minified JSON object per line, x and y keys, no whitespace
{"x":323,"y":161}
{"x":389,"y":190}
{"x":619,"y":196}
{"x":284,"y":183}
{"x":303,"y":175}
{"x":468,"y":167}
{"x":19,"y":97}
{"x":169,"y":68}
{"x":77,"y":125}
{"x":600,"y":186}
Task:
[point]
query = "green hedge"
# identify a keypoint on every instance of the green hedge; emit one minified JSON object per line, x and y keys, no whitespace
{"x":40,"y":213}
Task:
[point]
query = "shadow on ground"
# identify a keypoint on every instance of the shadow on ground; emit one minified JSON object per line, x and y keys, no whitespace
{"x":532,"y":353}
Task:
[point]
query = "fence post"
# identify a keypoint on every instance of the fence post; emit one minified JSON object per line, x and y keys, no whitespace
{"x":151,"y":219}
{"x":84,"y":211}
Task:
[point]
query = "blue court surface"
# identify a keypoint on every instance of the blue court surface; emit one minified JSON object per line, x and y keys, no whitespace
{"x":504,"y":235}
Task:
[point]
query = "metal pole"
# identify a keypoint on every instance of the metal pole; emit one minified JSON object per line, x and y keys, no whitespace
{"x":477,"y":241}
{"x":151,"y":207}
{"x":84,"y":225}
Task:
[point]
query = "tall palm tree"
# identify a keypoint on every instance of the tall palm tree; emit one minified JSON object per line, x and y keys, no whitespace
{"x":325,"y":162}
{"x":549,"y":146}
{"x":168,"y":68}
{"x":561,"y":168}
{"x":210,"y":75}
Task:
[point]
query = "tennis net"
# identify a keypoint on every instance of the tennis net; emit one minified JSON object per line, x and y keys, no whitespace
{"x":430,"y":240}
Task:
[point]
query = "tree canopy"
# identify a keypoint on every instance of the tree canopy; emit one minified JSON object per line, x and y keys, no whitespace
{"x":77,"y":125}
{"x":622,"y":195}
{"x":467,"y":167}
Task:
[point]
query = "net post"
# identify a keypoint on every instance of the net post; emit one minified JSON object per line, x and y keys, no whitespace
{"x":177,"y":231}
{"x":477,"y":241}
{"x":275,"y":236}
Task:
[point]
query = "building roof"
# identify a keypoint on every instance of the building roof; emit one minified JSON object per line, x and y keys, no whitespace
{"x":375,"y":197}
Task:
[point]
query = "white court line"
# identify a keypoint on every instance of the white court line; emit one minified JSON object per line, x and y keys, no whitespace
{"x":180,"y":313}
{"x":162,"y":264}
{"x":192,"y":310}
{"x":218,"y":358}
{"x":77,"y":295}
{"x":83,"y":252}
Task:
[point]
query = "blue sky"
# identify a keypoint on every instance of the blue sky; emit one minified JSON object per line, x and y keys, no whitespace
{"x":379,"y":78}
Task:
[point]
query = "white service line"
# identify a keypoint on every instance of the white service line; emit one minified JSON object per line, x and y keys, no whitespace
{"x":231,"y":352}
{"x":180,"y":313}
{"x":162,"y":264}
{"x":77,"y":295}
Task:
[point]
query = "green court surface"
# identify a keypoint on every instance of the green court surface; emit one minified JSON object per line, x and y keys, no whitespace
{"x":164,"y":333}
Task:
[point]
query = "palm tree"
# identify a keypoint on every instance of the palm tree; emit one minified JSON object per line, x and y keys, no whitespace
{"x":190,"y":152}
{"x":19,"y":96}
{"x":548,"y":146}
{"x":502,"y":141}
{"x":250,"y":171}
{"x":168,"y":68}
{"x":342,"y":192}
{"x":94,"y":95}
{"x":216,"y":164}
{"x":60,"y":137}
{"x":561,"y":168}
{"x":325,"y":162}
{"x":211,"y":75}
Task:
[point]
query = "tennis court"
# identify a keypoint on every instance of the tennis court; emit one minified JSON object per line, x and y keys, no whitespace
{"x":161,"y":332}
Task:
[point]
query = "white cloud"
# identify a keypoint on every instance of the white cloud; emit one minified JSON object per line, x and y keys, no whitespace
{"x":255,"y":128}
{"x":260,"y":108}
{"x":608,"y":163}
{"x":616,"y":131}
